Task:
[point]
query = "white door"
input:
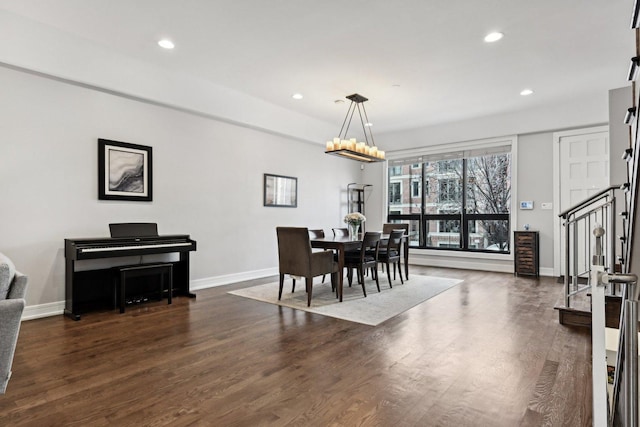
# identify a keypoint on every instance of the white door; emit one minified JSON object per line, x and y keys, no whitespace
{"x":582,"y":169}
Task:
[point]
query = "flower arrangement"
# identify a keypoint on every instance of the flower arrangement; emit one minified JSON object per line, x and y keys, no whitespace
{"x":354,"y":218}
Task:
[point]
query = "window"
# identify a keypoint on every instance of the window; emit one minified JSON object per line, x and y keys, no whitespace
{"x":415,"y":189}
{"x":395,"y":193}
{"x":462,"y":203}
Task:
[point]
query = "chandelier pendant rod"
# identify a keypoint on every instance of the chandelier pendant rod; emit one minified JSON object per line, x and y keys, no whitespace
{"x":345,"y":122}
{"x":373,"y":144}
{"x":364,"y":128}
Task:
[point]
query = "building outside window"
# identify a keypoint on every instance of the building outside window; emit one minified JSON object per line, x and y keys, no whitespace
{"x":465,"y":204}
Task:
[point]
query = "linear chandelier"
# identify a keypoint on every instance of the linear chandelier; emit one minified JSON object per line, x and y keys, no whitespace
{"x":350,"y":147}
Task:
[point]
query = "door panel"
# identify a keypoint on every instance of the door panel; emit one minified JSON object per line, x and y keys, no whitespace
{"x":583,"y":171}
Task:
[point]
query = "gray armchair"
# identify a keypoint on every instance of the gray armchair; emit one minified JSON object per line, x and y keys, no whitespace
{"x":13,"y":286}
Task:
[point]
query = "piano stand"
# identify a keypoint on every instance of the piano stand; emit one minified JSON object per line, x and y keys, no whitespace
{"x":130,"y":271}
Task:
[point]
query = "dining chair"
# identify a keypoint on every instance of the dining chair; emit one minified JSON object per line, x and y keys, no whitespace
{"x":364,"y":259}
{"x":313,"y":234}
{"x":390,"y":254}
{"x":340,"y":232}
{"x":296,"y":258}
{"x":389,"y":227}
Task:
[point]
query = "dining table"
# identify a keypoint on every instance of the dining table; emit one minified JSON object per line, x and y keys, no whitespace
{"x":341,"y":244}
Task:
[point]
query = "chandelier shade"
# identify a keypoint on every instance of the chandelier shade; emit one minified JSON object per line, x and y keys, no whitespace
{"x":349,"y":147}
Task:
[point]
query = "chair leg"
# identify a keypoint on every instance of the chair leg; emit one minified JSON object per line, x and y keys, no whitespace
{"x":334,"y":282}
{"x":361,"y":275}
{"x":350,"y":275}
{"x":293,"y":288}
{"x":281,"y":285}
{"x":309,"y":282}
{"x":374,"y":273}
{"x":389,"y":274}
{"x":394,"y":271}
{"x":400,"y":273}
{"x":323,"y":276}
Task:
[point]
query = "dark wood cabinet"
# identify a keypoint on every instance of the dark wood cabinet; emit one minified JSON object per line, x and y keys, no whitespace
{"x":526,"y":259}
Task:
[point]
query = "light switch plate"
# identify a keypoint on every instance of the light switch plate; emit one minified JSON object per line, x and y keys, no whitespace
{"x":546,"y":206}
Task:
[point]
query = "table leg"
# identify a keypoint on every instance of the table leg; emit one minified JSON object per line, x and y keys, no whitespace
{"x":341,"y":271}
{"x":405,"y":243}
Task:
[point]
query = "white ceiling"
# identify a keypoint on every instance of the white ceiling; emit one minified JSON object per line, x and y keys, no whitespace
{"x":327,"y":49}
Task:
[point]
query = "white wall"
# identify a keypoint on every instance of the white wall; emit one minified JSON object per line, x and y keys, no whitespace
{"x":208,"y":179}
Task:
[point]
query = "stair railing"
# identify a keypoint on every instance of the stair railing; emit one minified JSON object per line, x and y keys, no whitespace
{"x":579,"y":221}
{"x":616,"y":405}
{"x":624,"y":394}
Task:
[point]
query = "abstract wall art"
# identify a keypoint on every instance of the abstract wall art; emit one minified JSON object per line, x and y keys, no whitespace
{"x":124,"y":171}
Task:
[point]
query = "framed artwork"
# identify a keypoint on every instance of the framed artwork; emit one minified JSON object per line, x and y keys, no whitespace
{"x":124,"y":171}
{"x":280,"y":191}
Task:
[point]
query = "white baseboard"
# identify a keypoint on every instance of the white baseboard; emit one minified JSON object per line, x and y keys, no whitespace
{"x":57,"y":308}
{"x":227,"y":279}
{"x":43,"y":310}
{"x":547,"y":271}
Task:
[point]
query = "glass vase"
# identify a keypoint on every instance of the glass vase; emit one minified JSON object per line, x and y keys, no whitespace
{"x":353,"y":231}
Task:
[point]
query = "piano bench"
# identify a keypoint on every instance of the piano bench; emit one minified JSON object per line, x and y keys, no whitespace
{"x":129,"y":271}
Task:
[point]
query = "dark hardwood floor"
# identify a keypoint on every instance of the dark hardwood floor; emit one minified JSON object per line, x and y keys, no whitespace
{"x":488,"y":352}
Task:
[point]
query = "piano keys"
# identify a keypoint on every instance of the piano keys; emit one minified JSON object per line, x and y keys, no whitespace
{"x":93,"y":287}
{"x":119,"y":246}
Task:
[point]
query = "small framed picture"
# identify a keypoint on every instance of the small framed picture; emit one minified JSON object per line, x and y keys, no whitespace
{"x":280,"y":191}
{"x":124,"y":171}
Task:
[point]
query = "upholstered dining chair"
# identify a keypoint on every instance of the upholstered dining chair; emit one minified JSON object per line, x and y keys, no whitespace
{"x":364,"y":259}
{"x":297,"y":259}
{"x":13,"y":286}
{"x":340,"y":232}
{"x":390,"y":254}
{"x":313,"y":234}
{"x":389,"y":227}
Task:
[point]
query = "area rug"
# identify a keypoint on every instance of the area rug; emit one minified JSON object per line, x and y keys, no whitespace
{"x":372,"y":310}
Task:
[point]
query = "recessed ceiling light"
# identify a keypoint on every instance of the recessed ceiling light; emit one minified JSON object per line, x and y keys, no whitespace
{"x":493,"y":37}
{"x":166,"y":44}
{"x":297,"y":96}
{"x":526,"y":92}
